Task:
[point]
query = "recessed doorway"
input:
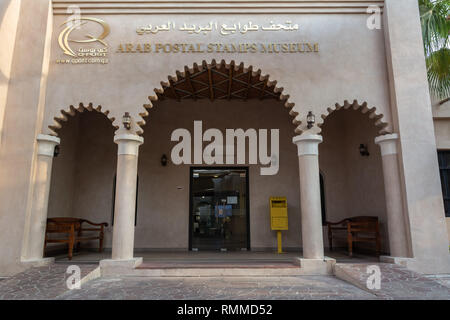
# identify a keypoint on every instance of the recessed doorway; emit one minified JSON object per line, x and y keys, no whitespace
{"x":219,"y":209}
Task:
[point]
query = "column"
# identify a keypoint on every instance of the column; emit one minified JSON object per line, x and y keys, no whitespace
{"x":125,"y":205}
{"x":42,"y":179}
{"x":308,"y":157}
{"x":398,"y":242}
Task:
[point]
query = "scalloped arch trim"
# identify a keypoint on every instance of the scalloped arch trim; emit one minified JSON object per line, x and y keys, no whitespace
{"x":65,"y":114}
{"x":232,"y":68}
{"x":363,"y":108}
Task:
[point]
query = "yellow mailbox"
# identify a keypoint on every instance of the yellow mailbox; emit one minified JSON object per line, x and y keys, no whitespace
{"x":278,"y":217}
{"x":278,"y":213}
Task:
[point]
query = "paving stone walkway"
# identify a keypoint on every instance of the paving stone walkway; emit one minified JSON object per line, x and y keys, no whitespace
{"x":49,"y":283}
{"x":239,"y":288}
{"x":397,"y":282}
{"x":41,"y":283}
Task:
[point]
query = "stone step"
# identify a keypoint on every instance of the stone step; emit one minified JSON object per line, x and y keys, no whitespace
{"x":216,"y":272}
{"x":397,"y":282}
{"x":226,"y":264}
{"x":217,"y":267}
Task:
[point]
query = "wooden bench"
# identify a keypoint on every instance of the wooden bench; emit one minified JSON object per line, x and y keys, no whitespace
{"x":73,"y":228}
{"x":358,"y":229}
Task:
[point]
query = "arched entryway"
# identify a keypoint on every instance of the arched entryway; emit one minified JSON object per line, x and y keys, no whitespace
{"x":83,"y":174}
{"x":221,"y":96}
{"x":216,"y":97}
{"x":351,"y":166}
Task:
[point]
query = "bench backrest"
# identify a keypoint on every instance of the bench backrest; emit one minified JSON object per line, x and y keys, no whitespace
{"x":363,"y":224}
{"x":63,"y":224}
{"x":363,"y":219}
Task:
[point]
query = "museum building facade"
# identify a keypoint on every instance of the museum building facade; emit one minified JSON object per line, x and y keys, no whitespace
{"x":176,"y":123}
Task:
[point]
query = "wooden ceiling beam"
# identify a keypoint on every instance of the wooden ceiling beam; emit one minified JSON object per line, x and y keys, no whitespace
{"x":211,"y":85}
{"x":250,"y":73}
{"x":174,"y":92}
{"x":261,"y":96}
{"x":230,"y":83}
{"x":189,"y":82}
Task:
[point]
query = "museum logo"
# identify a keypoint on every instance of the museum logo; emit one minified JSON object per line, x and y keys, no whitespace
{"x":86,"y":52}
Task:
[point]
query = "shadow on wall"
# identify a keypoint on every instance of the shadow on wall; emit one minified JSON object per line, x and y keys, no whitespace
{"x":353,"y":182}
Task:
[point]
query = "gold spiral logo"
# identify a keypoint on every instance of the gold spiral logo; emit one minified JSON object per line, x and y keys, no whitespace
{"x":75,"y":23}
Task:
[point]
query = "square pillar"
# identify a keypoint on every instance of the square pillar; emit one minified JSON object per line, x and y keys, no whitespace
{"x":418,"y":164}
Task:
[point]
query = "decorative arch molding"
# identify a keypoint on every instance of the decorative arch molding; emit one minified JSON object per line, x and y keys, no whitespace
{"x":65,"y":114}
{"x":219,"y":81}
{"x":364,"y":109}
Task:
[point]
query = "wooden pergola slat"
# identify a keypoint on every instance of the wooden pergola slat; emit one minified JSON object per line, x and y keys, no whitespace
{"x":216,"y":81}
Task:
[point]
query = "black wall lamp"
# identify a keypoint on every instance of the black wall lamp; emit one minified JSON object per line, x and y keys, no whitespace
{"x":310,"y":119}
{"x":57,"y":151}
{"x":363,"y":150}
{"x":126,"y":120}
{"x":164,"y":160}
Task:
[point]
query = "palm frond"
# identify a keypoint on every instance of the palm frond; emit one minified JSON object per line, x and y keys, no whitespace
{"x":435,"y":31}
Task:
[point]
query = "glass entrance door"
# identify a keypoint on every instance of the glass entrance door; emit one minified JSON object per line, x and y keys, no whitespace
{"x":219,"y":216}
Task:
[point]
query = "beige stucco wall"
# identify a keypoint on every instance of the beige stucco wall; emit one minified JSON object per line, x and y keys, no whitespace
{"x":83,"y":174}
{"x":442,"y":130}
{"x":21,"y":124}
{"x":351,"y":63}
{"x":9,"y":17}
{"x":412,"y":119}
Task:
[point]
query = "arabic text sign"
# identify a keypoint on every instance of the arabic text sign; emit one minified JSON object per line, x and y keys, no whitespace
{"x":223,"y":29}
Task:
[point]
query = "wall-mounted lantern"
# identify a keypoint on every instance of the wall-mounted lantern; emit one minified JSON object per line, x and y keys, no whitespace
{"x":126,"y":120}
{"x":164,"y":160}
{"x":363,"y":150}
{"x":310,"y":119}
{"x":57,"y":151}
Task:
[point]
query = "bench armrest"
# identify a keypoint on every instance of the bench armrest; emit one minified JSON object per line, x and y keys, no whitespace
{"x":336,"y":223}
{"x":104,"y":224}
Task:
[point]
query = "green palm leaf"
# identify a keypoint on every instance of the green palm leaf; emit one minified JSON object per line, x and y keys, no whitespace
{"x":435,"y":31}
